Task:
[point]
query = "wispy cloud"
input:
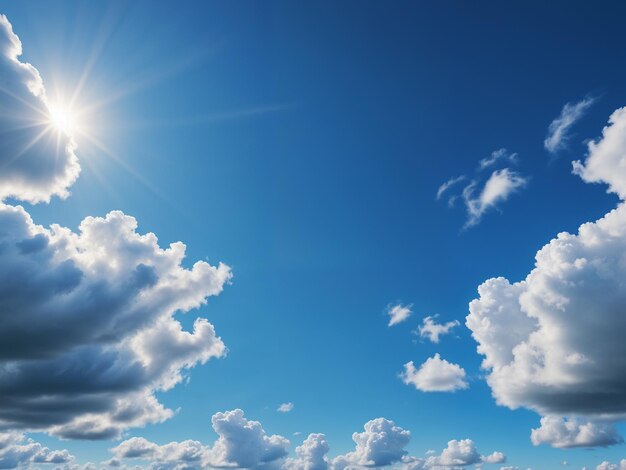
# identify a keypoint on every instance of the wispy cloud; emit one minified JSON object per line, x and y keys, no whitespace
{"x":495,"y":157}
{"x":448,"y":184}
{"x":500,"y":185}
{"x":558,"y":131}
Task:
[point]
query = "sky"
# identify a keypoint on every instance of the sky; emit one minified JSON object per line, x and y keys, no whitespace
{"x":312,"y":235}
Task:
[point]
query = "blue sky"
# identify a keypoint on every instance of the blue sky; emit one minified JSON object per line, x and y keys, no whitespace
{"x":303,"y":145}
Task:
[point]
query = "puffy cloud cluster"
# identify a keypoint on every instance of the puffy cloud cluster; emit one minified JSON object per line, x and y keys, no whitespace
{"x":606,"y":465}
{"x":433,"y":331}
{"x":457,"y":455}
{"x":88,"y":331}
{"x":483,"y":192}
{"x":37,"y":161}
{"x":562,"y":433}
{"x":311,"y":454}
{"x":554,"y":341}
{"x":87,"y":326}
{"x":380,"y":444}
{"x":18,"y":451}
{"x":435,"y":375}
{"x":243,"y":443}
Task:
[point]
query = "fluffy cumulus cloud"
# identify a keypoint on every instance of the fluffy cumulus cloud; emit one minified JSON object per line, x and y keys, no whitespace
{"x":559,"y":129}
{"x":562,"y":433}
{"x":38,"y":161}
{"x":435,"y":375}
{"x":606,"y":162}
{"x":553,"y":342}
{"x":241,"y":443}
{"x":17,"y":451}
{"x":398,"y":313}
{"x":606,"y":465}
{"x":433,"y":331}
{"x":458,"y":454}
{"x":311,"y":454}
{"x":381,"y":443}
{"x":88,"y":331}
{"x":244,"y":443}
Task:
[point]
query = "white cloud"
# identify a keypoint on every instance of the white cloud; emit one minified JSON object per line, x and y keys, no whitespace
{"x":398,"y":313}
{"x":500,"y":185}
{"x":244,"y":443}
{"x":564,"y":433}
{"x":554,"y":341}
{"x":285,"y":407}
{"x":606,"y":465}
{"x":431,"y":330}
{"x":311,"y":454}
{"x":37,"y":161}
{"x":457,"y":455}
{"x":558,"y":131}
{"x":606,"y":161}
{"x":16,"y":450}
{"x":241,"y":443}
{"x":497,"y":156}
{"x":382,"y":443}
{"x":448,"y":184}
{"x":435,"y":375}
{"x":87,"y":329}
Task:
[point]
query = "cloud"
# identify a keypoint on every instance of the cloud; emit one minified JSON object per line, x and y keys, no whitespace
{"x":497,"y":156}
{"x":483,"y":193}
{"x":435,"y":375}
{"x":398,"y":313}
{"x":448,"y":184}
{"x":605,"y":161}
{"x":37,"y":161}
{"x":285,"y":407}
{"x":565,"y":433}
{"x":431,"y":330}
{"x":244,"y":443}
{"x":87,"y":327}
{"x":458,"y":454}
{"x":88,"y":332}
{"x":553,"y":342}
{"x":558,"y":131}
{"x":606,"y":465}
{"x":18,"y":451}
{"x":311,"y":454}
{"x":241,"y":443}
{"x":187,"y":454}
{"x":500,"y":185}
{"x":382,"y":443}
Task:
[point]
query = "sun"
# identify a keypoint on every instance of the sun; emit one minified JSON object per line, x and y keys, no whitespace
{"x":62,"y":119}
